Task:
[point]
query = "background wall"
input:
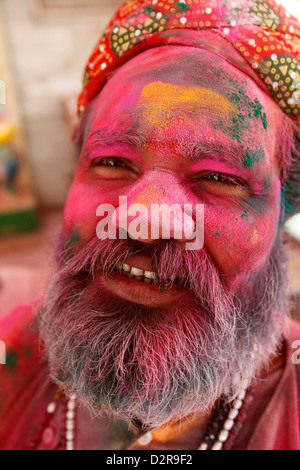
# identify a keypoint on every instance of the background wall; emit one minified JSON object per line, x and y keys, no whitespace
{"x":49,"y":42}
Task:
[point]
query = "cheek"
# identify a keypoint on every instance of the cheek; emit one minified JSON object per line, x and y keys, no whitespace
{"x":80,"y":210}
{"x":239,"y":240}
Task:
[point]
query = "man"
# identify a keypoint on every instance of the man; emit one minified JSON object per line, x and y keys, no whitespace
{"x":148,"y":342}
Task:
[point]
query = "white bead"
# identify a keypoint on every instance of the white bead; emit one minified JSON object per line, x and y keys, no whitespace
{"x":242,"y":395}
{"x":293,"y":74}
{"x":137,"y":32}
{"x":70,"y":435}
{"x":233,"y":23}
{"x":233,"y":414}
{"x":159,"y":15}
{"x":70,"y":414}
{"x":183,"y":20}
{"x":223,"y":436}
{"x":101,"y":48}
{"x":146,"y":439}
{"x":70,"y":424}
{"x":274,"y":84}
{"x":51,"y":408}
{"x":237,"y":404}
{"x":226,"y":30}
{"x":255,"y":65}
{"x":217,"y":446}
{"x":291,"y":101}
{"x":203,"y":446}
{"x":291,"y":29}
{"x":154,"y":2}
{"x":252,"y":42}
{"x":274,"y":56}
{"x":103,"y":66}
{"x":208,"y":10}
{"x":228,"y":425}
{"x":116,"y":30}
{"x":71,"y":405}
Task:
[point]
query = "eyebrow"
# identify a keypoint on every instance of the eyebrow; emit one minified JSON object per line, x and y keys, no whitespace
{"x":218,"y":148}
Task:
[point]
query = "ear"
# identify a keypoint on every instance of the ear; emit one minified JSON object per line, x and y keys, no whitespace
{"x":292,"y":185}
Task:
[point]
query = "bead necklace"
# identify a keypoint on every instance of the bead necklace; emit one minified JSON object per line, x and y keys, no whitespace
{"x":214,"y":440}
{"x":220,"y":431}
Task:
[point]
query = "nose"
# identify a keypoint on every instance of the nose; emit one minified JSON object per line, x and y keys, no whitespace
{"x":157,"y":209}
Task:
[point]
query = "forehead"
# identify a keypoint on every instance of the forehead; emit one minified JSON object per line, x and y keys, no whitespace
{"x":180,"y":93}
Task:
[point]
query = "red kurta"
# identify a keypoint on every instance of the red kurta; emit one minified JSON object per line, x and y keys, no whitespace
{"x":272,"y":421}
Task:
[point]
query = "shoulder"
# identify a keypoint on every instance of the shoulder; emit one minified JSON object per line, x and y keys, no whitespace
{"x":20,"y":352}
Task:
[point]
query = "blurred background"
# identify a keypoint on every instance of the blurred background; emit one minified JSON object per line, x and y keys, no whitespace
{"x":44,"y":45}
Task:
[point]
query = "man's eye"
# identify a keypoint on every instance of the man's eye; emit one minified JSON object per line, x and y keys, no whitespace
{"x":112,"y":168}
{"x":221,"y":183}
{"x":219,"y":178}
{"x":110,"y":162}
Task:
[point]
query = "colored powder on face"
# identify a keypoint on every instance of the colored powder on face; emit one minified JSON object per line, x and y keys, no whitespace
{"x":161,"y":102}
{"x":247,"y":108}
{"x":217,"y":234}
{"x":27,"y":353}
{"x":245,"y":215}
{"x":12,"y":360}
{"x":284,"y":203}
{"x":254,"y":236}
{"x":73,"y":237}
{"x":254,"y":156}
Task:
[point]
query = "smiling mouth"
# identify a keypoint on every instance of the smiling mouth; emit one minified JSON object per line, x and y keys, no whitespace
{"x":148,"y":277}
{"x":142,"y":286}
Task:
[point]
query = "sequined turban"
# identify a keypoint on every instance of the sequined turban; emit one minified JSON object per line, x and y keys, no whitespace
{"x":259,"y":37}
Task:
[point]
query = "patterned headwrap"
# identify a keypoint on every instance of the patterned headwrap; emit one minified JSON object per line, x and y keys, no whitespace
{"x":259,"y":37}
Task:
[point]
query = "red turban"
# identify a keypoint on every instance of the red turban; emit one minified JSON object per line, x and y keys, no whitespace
{"x":259,"y":37}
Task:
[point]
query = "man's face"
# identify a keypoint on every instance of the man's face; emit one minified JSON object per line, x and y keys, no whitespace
{"x":178,"y":125}
{"x":175,"y":125}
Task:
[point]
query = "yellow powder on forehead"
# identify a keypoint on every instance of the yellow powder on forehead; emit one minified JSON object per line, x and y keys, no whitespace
{"x":160,"y":102}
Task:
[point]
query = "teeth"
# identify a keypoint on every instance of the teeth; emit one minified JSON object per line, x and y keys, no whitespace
{"x":137,"y":272}
{"x":149,"y":275}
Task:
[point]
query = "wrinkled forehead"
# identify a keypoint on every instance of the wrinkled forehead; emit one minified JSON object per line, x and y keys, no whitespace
{"x":175,"y":85}
{"x":184,"y":65}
